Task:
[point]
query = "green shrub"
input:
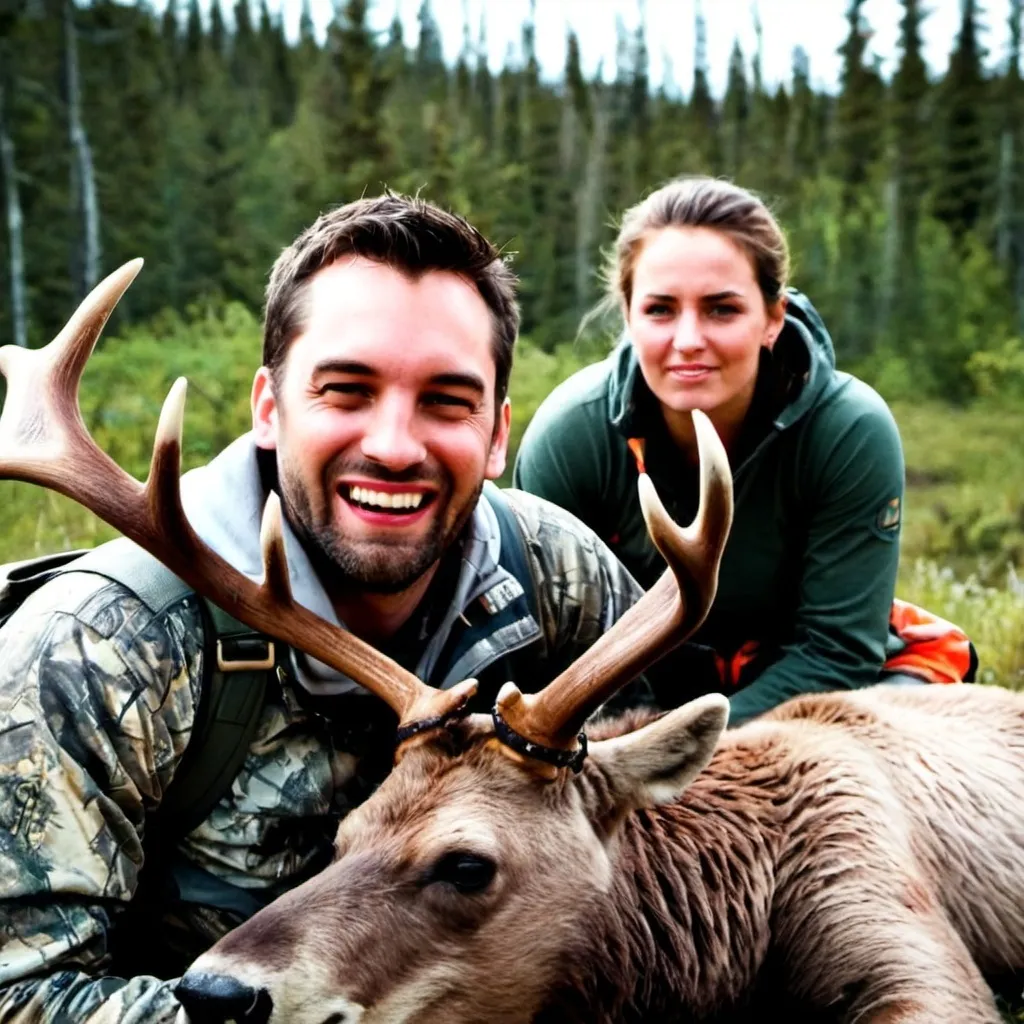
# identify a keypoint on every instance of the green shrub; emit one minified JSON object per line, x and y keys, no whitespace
{"x":125,"y":382}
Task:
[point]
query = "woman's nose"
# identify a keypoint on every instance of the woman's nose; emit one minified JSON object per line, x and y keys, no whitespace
{"x":219,"y":998}
{"x":688,"y":335}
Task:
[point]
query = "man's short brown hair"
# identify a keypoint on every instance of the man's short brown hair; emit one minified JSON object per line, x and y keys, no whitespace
{"x":404,"y":232}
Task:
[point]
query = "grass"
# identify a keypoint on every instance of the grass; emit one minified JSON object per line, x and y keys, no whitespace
{"x":963,"y":540}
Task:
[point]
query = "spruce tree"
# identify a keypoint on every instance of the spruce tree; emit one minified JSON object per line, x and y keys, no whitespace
{"x":965,"y":159}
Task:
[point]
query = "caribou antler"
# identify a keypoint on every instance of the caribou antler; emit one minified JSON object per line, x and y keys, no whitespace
{"x":43,"y":440}
{"x":546,"y":724}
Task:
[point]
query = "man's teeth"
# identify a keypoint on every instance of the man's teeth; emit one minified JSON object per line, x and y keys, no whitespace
{"x":382,"y":499}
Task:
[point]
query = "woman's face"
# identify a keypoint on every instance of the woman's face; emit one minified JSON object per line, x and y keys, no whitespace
{"x":698,"y":320}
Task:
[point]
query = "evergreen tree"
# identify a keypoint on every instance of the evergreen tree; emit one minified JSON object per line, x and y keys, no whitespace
{"x":735,"y":113}
{"x":358,"y":148}
{"x":1010,"y":205}
{"x":858,"y":116}
{"x":218,"y":31}
{"x":910,"y":135}
{"x":965,"y":161}
{"x":704,"y":115}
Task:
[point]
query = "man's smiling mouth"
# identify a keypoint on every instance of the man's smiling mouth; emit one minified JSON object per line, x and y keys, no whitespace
{"x":394,"y":502}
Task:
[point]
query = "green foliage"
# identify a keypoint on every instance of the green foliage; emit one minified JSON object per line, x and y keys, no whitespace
{"x":215,"y":347}
{"x":999,"y":373}
{"x":534,"y":374}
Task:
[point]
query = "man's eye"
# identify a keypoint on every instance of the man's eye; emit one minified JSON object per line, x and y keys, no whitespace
{"x":336,"y":387}
{"x":448,"y":403}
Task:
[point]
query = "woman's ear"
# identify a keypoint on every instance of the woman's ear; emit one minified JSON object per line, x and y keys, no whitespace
{"x":776,"y":321}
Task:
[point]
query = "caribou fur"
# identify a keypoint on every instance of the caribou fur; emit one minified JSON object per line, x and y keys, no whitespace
{"x":860,"y":855}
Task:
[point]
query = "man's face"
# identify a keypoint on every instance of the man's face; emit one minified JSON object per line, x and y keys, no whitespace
{"x":383,"y":417}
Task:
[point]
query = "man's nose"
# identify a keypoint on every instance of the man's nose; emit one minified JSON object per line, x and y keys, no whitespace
{"x":219,"y":998}
{"x":391,"y":440}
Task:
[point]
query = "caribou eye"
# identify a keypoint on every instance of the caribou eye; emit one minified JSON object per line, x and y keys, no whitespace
{"x":466,"y":871}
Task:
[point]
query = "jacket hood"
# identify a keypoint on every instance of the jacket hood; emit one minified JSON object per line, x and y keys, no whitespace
{"x":803,"y":350}
{"x":224,"y":503}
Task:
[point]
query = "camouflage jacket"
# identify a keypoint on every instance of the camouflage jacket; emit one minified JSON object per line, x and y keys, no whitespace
{"x":97,"y":702}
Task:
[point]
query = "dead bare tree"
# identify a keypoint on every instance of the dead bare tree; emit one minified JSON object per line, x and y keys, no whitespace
{"x":83,"y":175}
{"x":15,"y":243}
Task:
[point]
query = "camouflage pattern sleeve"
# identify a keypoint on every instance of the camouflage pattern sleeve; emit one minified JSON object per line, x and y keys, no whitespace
{"x":582,"y":587}
{"x":97,"y":700}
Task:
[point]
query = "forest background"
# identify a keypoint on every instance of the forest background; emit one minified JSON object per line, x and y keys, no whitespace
{"x":205,"y":138}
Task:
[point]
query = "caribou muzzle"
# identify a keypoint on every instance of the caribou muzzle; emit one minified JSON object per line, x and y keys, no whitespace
{"x":217,"y":998}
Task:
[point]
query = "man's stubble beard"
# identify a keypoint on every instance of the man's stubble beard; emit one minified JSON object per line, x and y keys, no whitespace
{"x":377,"y":567}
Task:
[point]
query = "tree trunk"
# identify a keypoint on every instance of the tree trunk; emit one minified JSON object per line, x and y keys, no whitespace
{"x":589,"y":202}
{"x":1005,"y":213}
{"x":83,"y":178}
{"x":8,"y":171}
{"x":890,"y":255}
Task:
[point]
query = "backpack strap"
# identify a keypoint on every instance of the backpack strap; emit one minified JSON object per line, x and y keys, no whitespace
{"x":524,"y":664}
{"x":20,"y":579}
{"x":513,"y":545}
{"x":236,"y":663}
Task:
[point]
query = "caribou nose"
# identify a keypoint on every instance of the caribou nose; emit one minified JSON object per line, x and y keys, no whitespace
{"x":219,"y":998}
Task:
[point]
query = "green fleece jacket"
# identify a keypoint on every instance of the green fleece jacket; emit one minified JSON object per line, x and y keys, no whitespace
{"x":809,"y":570}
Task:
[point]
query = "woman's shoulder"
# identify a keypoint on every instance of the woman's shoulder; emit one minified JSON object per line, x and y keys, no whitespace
{"x":850,"y":436}
{"x":852,"y":404}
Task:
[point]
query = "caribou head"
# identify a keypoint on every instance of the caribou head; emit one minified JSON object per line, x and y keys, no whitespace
{"x":464,"y":888}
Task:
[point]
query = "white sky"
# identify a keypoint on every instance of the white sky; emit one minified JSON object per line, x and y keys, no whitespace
{"x":819,"y":26}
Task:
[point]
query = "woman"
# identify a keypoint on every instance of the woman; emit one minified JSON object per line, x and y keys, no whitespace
{"x":805,"y":593}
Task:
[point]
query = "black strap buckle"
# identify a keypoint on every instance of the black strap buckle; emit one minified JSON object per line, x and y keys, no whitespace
{"x":557,"y":756}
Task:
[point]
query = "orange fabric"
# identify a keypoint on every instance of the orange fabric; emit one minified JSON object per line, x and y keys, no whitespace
{"x":731,"y":671}
{"x":636,"y":446}
{"x":936,"y":650}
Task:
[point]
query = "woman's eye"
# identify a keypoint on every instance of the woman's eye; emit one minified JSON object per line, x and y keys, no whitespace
{"x":723,"y":312}
{"x":657,"y":309}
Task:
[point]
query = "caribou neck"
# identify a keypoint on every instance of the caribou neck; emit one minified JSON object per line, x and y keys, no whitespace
{"x":685,"y":927}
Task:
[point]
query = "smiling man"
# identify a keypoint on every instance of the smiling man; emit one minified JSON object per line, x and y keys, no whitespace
{"x":379,"y":415}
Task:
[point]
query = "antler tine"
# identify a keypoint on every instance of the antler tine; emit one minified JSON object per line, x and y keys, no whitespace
{"x":43,"y":440}
{"x":42,"y":437}
{"x":669,"y":612}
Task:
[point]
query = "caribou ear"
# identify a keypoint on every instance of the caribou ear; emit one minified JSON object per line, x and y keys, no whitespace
{"x":654,"y":764}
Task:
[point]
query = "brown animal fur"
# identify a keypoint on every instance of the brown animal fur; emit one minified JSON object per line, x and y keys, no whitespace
{"x":860,"y":854}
